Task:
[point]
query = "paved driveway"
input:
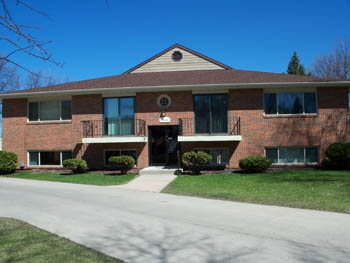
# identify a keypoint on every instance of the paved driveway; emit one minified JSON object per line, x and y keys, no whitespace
{"x":143,"y":227}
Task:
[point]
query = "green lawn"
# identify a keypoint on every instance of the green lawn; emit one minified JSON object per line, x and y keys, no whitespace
{"x":87,"y":178}
{"x":24,"y":243}
{"x":312,"y":189}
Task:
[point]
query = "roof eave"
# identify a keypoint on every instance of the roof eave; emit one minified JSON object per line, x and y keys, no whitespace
{"x":194,"y":87}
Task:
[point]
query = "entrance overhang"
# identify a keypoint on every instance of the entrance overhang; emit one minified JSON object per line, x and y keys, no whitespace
{"x":210,"y":138}
{"x":120,"y":139}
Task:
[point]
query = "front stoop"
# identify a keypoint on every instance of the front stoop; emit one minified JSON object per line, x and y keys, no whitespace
{"x":152,"y":179}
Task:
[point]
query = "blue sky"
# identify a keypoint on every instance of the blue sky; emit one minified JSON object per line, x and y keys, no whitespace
{"x":95,"y":39}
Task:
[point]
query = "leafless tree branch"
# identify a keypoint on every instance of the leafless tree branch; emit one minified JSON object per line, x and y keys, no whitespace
{"x":20,"y":40}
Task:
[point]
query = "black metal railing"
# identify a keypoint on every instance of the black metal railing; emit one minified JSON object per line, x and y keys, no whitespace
{"x":187,"y":127}
{"x":114,"y":127}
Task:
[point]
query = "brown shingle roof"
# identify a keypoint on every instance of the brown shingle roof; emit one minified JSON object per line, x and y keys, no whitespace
{"x":178,"y":78}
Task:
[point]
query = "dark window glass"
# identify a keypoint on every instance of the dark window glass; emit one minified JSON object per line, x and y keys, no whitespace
{"x":34,"y":158}
{"x":272,"y":154}
{"x":50,"y":158}
{"x":311,"y":155}
{"x":33,"y":111}
{"x":119,"y":116}
{"x":66,"y":108}
{"x":202,"y":113}
{"x":310,"y":102}
{"x":290,"y":103}
{"x":291,"y":155}
{"x":66,"y":155}
{"x":210,"y":113}
{"x":215,"y":153}
{"x":270,"y":104}
{"x":219,"y":113}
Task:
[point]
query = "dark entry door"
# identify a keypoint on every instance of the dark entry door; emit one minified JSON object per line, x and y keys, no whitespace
{"x":163,"y":145}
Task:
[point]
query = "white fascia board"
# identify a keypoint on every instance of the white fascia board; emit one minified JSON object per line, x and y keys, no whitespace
{"x":210,"y":138}
{"x":193,"y":88}
{"x":120,"y":139}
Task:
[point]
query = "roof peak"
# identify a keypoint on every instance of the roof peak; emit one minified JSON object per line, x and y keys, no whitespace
{"x":163,"y":61}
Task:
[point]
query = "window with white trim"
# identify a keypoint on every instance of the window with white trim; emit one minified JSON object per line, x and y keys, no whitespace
{"x":292,"y":155}
{"x":51,"y":110}
{"x":290,"y":103}
{"x":219,"y":155}
{"x":36,"y":158}
{"x":109,"y":153}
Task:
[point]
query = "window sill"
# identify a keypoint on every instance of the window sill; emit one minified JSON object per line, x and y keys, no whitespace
{"x":269,"y":116}
{"x":49,"y":122}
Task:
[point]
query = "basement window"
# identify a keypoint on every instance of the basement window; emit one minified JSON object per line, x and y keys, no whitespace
{"x":47,"y":158}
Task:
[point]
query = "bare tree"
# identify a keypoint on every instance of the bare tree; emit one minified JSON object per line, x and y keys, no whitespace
{"x":9,"y":78}
{"x":335,"y":65}
{"x":19,"y":39}
{"x":41,"y":79}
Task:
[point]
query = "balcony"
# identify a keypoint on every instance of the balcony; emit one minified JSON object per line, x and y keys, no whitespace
{"x":210,"y":131}
{"x":118,"y":130}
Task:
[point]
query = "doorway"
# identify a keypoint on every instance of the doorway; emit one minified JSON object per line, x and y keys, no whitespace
{"x":163,"y":145}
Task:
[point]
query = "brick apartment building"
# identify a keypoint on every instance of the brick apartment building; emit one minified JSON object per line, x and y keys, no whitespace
{"x":178,"y":100}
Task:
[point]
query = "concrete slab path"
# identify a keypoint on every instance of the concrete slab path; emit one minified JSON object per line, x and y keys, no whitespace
{"x":152,"y":179}
{"x":141,"y":226}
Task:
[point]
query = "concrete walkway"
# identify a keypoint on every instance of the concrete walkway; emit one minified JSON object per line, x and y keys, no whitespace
{"x":152,"y":179}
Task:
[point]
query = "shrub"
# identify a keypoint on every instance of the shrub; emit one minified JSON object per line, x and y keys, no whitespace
{"x":123,"y":163}
{"x":255,"y":163}
{"x":339,"y":155}
{"x":8,"y":162}
{"x":76,"y":165}
{"x":196,"y":160}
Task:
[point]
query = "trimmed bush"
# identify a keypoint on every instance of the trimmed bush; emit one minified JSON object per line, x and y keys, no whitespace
{"x":76,"y":165}
{"x":339,"y":155}
{"x":123,"y":163}
{"x":255,"y":164}
{"x":195,"y":161}
{"x":8,"y":162}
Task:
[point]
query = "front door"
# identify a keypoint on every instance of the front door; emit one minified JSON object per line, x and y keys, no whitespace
{"x":163,"y":144}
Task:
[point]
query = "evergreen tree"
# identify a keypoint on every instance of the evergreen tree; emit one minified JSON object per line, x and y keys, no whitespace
{"x":295,"y":67}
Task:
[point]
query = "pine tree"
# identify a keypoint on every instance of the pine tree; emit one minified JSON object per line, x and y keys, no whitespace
{"x":295,"y":67}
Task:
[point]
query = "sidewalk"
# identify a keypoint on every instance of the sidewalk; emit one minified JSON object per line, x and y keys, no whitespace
{"x":152,"y":179}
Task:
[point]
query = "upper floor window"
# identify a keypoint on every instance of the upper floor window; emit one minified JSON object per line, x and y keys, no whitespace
{"x":210,"y":113}
{"x":119,"y":116}
{"x":290,"y":103}
{"x":52,"y":110}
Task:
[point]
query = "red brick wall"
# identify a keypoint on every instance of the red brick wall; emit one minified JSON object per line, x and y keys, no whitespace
{"x":258,"y":131}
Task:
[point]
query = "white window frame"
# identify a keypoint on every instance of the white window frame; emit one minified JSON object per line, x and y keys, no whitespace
{"x":294,"y":147}
{"x":115,"y":150}
{"x":39,"y":157}
{"x":48,"y":100}
{"x":274,"y":91}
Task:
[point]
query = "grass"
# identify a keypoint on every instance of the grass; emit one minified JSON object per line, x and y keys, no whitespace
{"x":87,"y":178}
{"x":24,"y":243}
{"x":311,"y":189}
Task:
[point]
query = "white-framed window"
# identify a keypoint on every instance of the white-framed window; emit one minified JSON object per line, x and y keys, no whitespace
{"x":118,"y":152}
{"x":292,"y":155}
{"x":290,"y":103}
{"x":219,"y":155}
{"x":47,"y":158}
{"x":50,"y":110}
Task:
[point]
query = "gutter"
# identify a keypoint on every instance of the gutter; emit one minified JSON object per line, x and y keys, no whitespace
{"x":194,"y":87}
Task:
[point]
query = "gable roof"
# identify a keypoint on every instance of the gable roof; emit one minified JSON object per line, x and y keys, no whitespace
{"x":178,"y":80}
{"x":192,"y":60}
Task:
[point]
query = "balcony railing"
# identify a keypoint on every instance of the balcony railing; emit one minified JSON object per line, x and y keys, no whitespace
{"x":114,"y":127}
{"x":232,"y":127}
